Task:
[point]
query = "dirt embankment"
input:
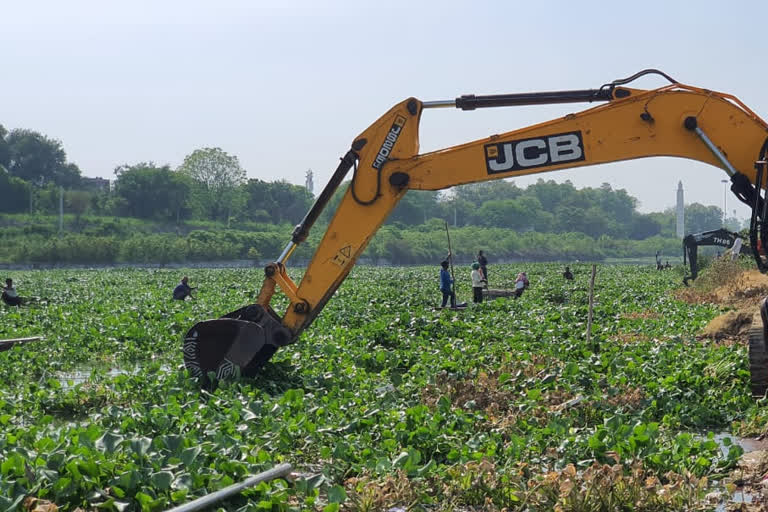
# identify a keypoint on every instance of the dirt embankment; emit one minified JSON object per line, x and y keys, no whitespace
{"x":746,"y":488}
{"x":742,"y":291}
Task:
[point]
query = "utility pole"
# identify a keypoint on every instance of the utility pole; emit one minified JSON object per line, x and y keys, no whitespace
{"x":725,"y":195}
{"x":61,"y":211}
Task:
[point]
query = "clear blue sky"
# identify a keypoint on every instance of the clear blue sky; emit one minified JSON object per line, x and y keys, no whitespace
{"x":286,"y":85}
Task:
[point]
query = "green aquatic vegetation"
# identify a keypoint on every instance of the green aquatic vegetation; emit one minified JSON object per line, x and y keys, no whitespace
{"x":383,"y":391}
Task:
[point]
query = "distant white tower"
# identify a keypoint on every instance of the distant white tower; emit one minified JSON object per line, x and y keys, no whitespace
{"x":309,"y":182}
{"x":680,"y":211}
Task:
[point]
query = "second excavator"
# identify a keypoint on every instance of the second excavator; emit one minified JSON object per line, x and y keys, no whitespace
{"x":675,"y":120}
{"x":691,"y":243}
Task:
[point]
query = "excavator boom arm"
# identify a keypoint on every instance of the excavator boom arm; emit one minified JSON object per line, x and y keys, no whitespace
{"x":640,"y":124}
{"x":675,"y":120}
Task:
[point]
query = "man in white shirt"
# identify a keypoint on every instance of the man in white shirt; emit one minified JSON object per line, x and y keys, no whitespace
{"x":477,"y":283}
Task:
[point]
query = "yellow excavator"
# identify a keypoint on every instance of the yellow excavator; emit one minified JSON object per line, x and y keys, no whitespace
{"x":675,"y":120}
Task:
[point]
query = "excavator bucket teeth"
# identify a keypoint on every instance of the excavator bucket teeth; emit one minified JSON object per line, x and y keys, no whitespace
{"x":227,"y":347}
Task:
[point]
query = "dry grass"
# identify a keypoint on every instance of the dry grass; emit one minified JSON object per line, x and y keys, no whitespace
{"x":31,"y":504}
{"x":727,"y":283}
{"x":631,"y":398}
{"x":479,"y":486}
{"x":628,"y":338}
{"x":729,"y":325}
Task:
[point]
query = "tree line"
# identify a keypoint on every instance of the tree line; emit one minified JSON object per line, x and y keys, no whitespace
{"x":211,"y":186}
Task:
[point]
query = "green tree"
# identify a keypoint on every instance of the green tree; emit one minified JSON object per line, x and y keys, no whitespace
{"x":292,"y":201}
{"x":479,"y":193}
{"x":14,"y":193}
{"x":416,"y":207}
{"x":456,"y":211}
{"x":78,"y":202}
{"x":551,"y":194}
{"x":39,"y":159}
{"x":5,"y":149}
{"x":284,"y":201}
{"x":217,"y":176}
{"x":642,"y":227}
{"x":667,"y":220}
{"x":151,"y":192}
{"x":700,"y":218}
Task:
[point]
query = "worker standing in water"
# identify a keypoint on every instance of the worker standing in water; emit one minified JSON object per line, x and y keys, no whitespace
{"x":183,"y":290}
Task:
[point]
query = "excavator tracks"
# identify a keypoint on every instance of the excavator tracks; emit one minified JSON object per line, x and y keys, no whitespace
{"x":758,"y":355}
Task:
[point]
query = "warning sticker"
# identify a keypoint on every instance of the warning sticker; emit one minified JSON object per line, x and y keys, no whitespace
{"x":342,"y":257}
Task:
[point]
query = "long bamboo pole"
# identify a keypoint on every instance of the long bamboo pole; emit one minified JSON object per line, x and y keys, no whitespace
{"x":591,"y":302}
{"x":450,"y":258}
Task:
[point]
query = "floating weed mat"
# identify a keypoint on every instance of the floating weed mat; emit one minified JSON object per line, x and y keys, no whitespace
{"x":389,"y":401}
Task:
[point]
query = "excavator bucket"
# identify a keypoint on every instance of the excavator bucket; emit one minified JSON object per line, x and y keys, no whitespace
{"x":237,"y":344}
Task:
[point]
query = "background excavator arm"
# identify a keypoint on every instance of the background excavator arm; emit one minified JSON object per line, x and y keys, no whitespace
{"x":676,"y":120}
{"x":691,"y":243}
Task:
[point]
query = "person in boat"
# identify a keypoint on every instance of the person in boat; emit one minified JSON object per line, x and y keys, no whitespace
{"x":477,"y":283}
{"x":446,"y":284}
{"x":483,"y":261}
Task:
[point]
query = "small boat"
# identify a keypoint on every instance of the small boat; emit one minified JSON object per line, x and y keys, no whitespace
{"x":495,"y":293}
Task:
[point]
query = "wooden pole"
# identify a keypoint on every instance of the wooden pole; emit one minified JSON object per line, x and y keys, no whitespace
{"x":450,"y":258}
{"x":61,"y":211}
{"x":591,"y":302}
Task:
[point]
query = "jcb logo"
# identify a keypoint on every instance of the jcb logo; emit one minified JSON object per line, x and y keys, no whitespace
{"x":523,"y":154}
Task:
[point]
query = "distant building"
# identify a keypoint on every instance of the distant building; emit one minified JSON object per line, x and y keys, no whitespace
{"x":309,"y":182}
{"x":680,"y":211}
{"x":95,"y":184}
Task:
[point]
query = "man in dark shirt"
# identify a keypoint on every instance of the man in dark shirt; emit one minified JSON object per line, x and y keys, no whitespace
{"x":446,"y":284}
{"x":10,"y":296}
{"x":567,"y":274}
{"x":183,"y":290}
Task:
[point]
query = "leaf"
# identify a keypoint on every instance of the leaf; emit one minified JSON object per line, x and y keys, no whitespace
{"x":182,"y":482}
{"x":178,"y":496}
{"x":337,"y":494}
{"x":144,"y":500}
{"x":161,"y":480}
{"x":141,"y":445}
{"x":109,"y":442}
{"x":400,"y":460}
{"x":189,"y":455}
